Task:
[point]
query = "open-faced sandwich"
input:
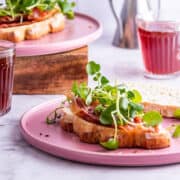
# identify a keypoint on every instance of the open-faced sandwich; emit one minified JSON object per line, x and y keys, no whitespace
{"x":31,"y":19}
{"x":111,"y":115}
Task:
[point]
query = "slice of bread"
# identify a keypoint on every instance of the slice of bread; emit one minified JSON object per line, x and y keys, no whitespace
{"x":34,"y":30}
{"x":161,"y":98}
{"x":128,"y":136}
{"x":66,"y":121}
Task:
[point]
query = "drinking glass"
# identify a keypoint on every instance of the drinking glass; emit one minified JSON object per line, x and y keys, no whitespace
{"x":158,"y":26}
{"x":7,"y":56}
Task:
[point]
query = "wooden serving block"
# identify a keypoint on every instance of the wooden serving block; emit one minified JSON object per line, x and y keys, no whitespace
{"x":50,"y":74}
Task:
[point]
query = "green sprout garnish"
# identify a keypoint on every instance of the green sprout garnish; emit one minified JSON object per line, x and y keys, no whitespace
{"x":176,"y":133}
{"x":18,"y":8}
{"x":152,"y":118}
{"x":56,"y":115}
{"x":117,"y":105}
{"x":177,"y":113}
{"x":111,"y":144}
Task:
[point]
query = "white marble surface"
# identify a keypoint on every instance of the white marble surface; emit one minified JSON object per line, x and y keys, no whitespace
{"x":20,"y":161}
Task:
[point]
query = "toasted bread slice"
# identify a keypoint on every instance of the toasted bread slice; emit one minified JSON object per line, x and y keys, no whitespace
{"x":161,"y":98}
{"x":128,"y":136}
{"x":33,"y":30}
{"x":66,"y":121}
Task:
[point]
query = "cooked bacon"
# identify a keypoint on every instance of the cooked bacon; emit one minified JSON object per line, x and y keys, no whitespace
{"x":79,"y":107}
{"x":39,"y":15}
{"x":8,"y":19}
{"x":14,"y":24}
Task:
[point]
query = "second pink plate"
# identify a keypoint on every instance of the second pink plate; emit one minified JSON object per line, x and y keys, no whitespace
{"x":52,"y":139}
{"x":78,"y":32}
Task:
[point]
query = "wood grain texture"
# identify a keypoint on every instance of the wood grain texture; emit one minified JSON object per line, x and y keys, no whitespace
{"x":50,"y":74}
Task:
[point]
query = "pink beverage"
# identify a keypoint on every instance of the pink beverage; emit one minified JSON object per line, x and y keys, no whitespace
{"x":160,"y":50}
{"x":6,"y":75}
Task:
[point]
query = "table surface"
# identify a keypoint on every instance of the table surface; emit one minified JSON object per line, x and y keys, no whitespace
{"x":20,"y":161}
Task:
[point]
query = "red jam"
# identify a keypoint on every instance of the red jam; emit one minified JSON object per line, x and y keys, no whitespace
{"x":160,"y":51}
{"x":6,"y":80}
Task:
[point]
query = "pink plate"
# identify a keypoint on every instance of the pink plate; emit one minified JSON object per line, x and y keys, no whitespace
{"x":52,"y":139}
{"x":77,"y":33}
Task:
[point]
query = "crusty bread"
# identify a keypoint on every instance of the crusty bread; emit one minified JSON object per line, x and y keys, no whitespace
{"x":34,"y":30}
{"x":128,"y":136}
{"x":161,"y":98}
{"x":66,"y":121}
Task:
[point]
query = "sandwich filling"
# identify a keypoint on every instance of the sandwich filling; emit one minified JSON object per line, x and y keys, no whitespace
{"x":20,"y":12}
{"x":115,"y":110}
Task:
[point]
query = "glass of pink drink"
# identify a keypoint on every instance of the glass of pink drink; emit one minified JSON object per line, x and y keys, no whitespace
{"x":6,"y":75}
{"x":159,"y":38}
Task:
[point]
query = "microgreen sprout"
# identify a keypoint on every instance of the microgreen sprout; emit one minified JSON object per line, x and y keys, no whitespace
{"x":117,"y":105}
{"x":176,"y":133}
{"x":177,"y":113}
{"x":17,"y":8}
{"x":174,"y":129}
{"x":56,"y":115}
{"x":152,"y":118}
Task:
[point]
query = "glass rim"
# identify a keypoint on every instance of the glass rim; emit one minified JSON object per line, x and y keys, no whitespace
{"x":8,"y":45}
{"x":172,"y":22}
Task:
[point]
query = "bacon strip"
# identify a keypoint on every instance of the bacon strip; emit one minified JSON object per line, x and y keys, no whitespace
{"x":79,"y":108}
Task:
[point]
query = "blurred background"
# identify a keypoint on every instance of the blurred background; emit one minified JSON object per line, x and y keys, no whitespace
{"x":100,"y":9}
{"x":127,"y":62}
{"x":102,"y":50}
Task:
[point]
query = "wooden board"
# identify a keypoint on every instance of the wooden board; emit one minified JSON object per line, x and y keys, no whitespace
{"x":50,"y":74}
